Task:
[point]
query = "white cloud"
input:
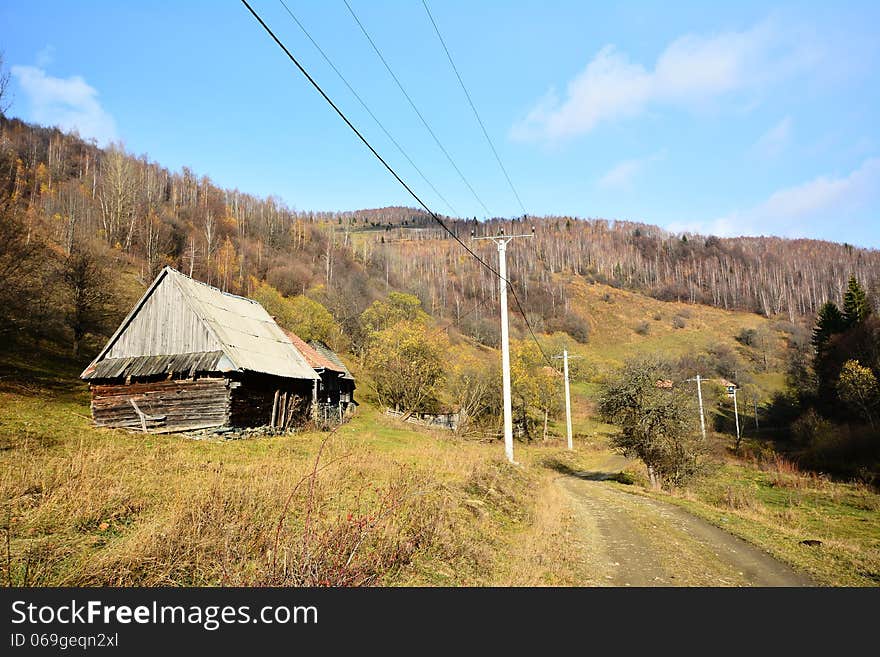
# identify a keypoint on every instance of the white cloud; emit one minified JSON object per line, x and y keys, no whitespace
{"x":775,"y":140}
{"x":622,"y":175}
{"x":822,"y":205}
{"x":691,"y":72}
{"x":70,"y":104}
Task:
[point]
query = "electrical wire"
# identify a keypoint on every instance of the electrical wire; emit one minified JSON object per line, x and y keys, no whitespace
{"x":396,"y":176}
{"x":415,"y":109}
{"x":366,"y":108}
{"x":473,"y":107}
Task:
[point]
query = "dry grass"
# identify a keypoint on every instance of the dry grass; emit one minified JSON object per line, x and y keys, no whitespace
{"x":375,"y":503}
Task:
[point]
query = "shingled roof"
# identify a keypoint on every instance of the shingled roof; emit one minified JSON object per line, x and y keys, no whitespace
{"x":313,"y":357}
{"x":330,"y":355}
{"x":179,"y":315}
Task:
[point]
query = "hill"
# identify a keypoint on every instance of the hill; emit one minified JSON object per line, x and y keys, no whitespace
{"x":85,"y":230}
{"x":62,"y":196}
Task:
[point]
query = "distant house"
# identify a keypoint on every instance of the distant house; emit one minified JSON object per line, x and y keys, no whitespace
{"x":335,"y":391}
{"x":190,"y":356}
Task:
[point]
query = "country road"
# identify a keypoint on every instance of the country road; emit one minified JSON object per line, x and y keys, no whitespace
{"x":629,"y":540}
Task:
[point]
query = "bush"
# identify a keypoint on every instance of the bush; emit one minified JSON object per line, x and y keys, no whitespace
{"x":813,"y":430}
{"x":747,"y":337}
{"x":657,"y":424}
{"x":642,"y":328}
{"x":725,"y":361}
{"x":573,"y":324}
{"x":678,"y":322}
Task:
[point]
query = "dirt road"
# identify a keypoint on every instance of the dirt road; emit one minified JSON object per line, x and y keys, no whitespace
{"x":628,"y":540}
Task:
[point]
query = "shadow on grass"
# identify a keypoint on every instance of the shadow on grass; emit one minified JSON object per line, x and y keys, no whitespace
{"x":37,"y":373}
{"x":587,"y":475}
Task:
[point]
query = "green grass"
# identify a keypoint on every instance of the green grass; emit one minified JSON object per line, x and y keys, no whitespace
{"x":776,"y":507}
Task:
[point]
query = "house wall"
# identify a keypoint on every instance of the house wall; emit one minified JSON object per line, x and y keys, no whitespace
{"x":185,"y":404}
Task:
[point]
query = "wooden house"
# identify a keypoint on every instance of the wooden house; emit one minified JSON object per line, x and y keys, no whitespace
{"x":334,"y":396}
{"x":190,"y":356}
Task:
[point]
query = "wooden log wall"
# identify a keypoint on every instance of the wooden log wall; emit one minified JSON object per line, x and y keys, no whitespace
{"x":269,"y":401}
{"x":181,"y":404}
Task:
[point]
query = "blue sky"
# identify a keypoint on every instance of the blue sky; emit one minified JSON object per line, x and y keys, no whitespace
{"x":726,"y":118}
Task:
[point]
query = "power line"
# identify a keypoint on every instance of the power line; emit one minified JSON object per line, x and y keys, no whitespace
{"x":473,"y":107}
{"x":368,"y":110}
{"x":416,"y":109}
{"x":394,"y":173}
{"x":457,"y":322}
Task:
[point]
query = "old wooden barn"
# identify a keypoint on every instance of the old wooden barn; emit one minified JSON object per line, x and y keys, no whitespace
{"x":334,"y":396}
{"x":190,"y":356}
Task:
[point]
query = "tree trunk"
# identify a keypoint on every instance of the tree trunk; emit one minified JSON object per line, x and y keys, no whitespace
{"x":652,"y":477}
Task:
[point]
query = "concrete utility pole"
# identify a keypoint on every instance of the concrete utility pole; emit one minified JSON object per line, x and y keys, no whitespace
{"x":736,"y":415}
{"x":700,"y":398}
{"x":501,"y":241}
{"x":565,"y":358}
{"x":757,"y":426}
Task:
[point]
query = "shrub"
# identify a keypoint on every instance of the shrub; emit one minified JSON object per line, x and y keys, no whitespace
{"x":573,"y":324}
{"x":747,"y":337}
{"x":657,"y":424}
{"x":678,"y":322}
{"x":812,"y":430}
{"x":642,"y":328}
{"x":725,"y":361}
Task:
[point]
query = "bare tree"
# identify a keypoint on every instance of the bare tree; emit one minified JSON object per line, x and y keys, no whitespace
{"x":117,"y":194}
{"x":87,"y":295}
{"x":5,"y":99}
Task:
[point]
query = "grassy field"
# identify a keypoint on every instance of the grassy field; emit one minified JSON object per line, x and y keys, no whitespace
{"x":376,"y":502}
{"x":776,"y":507}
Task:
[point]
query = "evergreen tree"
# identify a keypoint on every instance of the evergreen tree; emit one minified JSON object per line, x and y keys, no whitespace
{"x":855,"y":303}
{"x":829,"y":322}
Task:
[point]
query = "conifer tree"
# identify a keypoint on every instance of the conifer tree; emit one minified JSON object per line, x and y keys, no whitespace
{"x":855,"y":303}
{"x":829,"y":322}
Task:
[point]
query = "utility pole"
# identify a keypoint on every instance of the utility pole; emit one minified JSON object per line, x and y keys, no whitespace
{"x":501,"y":241}
{"x":736,"y":415}
{"x":757,"y":426}
{"x":565,"y":358}
{"x":700,"y":398}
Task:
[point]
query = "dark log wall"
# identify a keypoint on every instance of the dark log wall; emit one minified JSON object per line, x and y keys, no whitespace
{"x":258,"y":400}
{"x":334,"y":388}
{"x":183,"y":404}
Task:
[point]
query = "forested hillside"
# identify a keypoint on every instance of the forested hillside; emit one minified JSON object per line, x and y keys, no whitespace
{"x":74,"y":214}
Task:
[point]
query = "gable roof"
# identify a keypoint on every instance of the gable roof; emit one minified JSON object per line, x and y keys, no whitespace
{"x":330,"y":355}
{"x":313,"y":356}
{"x":184,"y":316}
